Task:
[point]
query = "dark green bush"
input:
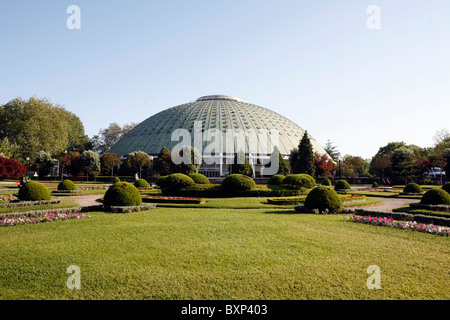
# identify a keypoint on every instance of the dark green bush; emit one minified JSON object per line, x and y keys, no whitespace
{"x":374,"y":185}
{"x":277,"y":179}
{"x":342,"y":185}
{"x":175,"y":182}
{"x":199,"y":178}
{"x":238,"y":182}
{"x":122,"y":194}
{"x":436,"y":196}
{"x":160,"y":182}
{"x":324,"y":199}
{"x":446,"y":187}
{"x":141,"y":183}
{"x":300,"y":180}
{"x":412,"y":188}
{"x":326,"y":182}
{"x":34,"y":191}
{"x":67,"y":185}
{"x":116,"y":179}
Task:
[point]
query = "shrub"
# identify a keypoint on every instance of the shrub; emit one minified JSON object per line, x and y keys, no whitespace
{"x":446,"y":187}
{"x":122,"y":194}
{"x":34,"y":191}
{"x":323,"y":199}
{"x":342,"y":185}
{"x":238,"y":182}
{"x":176,"y":181}
{"x":141,"y":183}
{"x":374,"y":185}
{"x":116,"y":179}
{"x":436,"y":196}
{"x":160,"y":181}
{"x":277,"y":179}
{"x":199,"y":178}
{"x":412,"y":188}
{"x":67,"y":185}
{"x":300,"y":180}
{"x":326,"y":182}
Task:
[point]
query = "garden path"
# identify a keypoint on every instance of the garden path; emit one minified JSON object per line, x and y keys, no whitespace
{"x":84,"y":201}
{"x":388,"y":204}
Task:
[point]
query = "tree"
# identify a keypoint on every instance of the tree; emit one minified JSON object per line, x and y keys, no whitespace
{"x":90,"y":163}
{"x":283,"y":167}
{"x":380,"y":162}
{"x":137,"y":160}
{"x":11,"y":169}
{"x":354,"y":166}
{"x":305,"y":159}
{"x":43,"y":163}
{"x":64,"y":162}
{"x":439,"y":162}
{"x":8,"y":149}
{"x":241,"y":164}
{"x":194,"y":162}
{"x":331,"y":150}
{"x":106,"y":138}
{"x":405,"y":165}
{"x":324,"y":165}
{"x":163,"y":164}
{"x":37,"y":124}
{"x":75,"y":167}
{"x":109,"y":161}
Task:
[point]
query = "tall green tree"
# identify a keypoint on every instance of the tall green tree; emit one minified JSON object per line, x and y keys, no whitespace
{"x":305,"y":159}
{"x":108,"y":162}
{"x":283,"y":167}
{"x":90,"y":163}
{"x":163,"y":164}
{"x":37,"y":124}
{"x":43,"y":163}
{"x":332,"y":150}
{"x":137,"y":160}
{"x":107,"y":137}
{"x":241,"y":164}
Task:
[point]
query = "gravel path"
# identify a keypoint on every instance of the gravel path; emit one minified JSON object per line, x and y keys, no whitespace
{"x":84,"y":201}
{"x":388,"y":204}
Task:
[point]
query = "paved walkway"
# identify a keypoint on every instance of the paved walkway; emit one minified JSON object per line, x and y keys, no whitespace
{"x":84,"y":201}
{"x":388,"y":204}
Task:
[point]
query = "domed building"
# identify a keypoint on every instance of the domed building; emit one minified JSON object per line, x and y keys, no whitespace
{"x":214,"y":124}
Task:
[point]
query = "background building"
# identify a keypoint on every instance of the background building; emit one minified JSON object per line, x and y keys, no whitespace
{"x":215,"y":115}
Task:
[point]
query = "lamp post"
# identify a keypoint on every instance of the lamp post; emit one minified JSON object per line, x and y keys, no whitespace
{"x":151,"y":171}
{"x":28,"y":167}
{"x":340,"y":172}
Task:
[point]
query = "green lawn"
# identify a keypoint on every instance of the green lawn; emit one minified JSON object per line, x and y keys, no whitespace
{"x":186,"y":253}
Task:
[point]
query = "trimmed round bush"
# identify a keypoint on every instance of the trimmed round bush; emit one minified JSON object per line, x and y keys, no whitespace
{"x":324,"y":199}
{"x":141,"y":183}
{"x":300,"y":180}
{"x":122,"y":194}
{"x":238,"y":182}
{"x":446,"y":187}
{"x":326,"y":182}
{"x":277,"y":179}
{"x":34,"y":191}
{"x":176,"y":181}
{"x":199,"y":178}
{"x":412,"y":188}
{"x":116,"y":179}
{"x":436,"y":196}
{"x":374,"y":185}
{"x":342,"y":185}
{"x":67,"y":185}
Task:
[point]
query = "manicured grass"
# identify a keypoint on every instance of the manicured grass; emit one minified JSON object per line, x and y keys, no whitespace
{"x":173,"y":253}
{"x":384,"y":194}
{"x":422,"y":211}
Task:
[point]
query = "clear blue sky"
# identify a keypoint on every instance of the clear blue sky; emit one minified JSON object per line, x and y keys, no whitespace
{"x":315,"y":62}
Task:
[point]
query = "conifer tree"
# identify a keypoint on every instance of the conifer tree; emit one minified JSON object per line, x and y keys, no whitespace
{"x":305,"y":159}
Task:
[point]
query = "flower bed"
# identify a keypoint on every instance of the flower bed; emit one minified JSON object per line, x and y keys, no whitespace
{"x":162,"y":199}
{"x":93,"y":188}
{"x":39,"y":216}
{"x":8,"y":197}
{"x":15,"y":203}
{"x":408,"y":225}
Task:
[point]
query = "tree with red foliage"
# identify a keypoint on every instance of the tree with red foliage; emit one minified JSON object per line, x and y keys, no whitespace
{"x":11,"y":169}
{"x":324,"y":165}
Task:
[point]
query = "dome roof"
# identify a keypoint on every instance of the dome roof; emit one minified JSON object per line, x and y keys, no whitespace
{"x":217,"y":112}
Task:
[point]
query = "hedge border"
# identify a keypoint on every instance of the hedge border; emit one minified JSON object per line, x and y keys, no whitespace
{"x":14,"y":204}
